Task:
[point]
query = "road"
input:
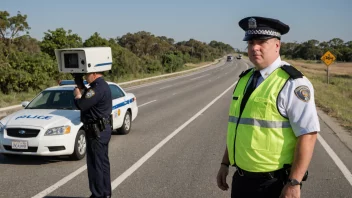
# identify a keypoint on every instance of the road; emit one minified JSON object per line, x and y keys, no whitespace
{"x":174,"y":149}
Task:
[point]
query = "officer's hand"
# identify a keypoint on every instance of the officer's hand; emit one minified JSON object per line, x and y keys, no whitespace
{"x":291,"y":191}
{"x":79,"y":80}
{"x":221,"y":178}
{"x":77,"y":93}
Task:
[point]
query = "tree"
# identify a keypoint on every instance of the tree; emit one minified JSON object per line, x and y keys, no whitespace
{"x":146,"y":44}
{"x":59,"y":39}
{"x":96,"y":41}
{"x":26,"y":43}
{"x":336,"y":43}
{"x":11,"y":27}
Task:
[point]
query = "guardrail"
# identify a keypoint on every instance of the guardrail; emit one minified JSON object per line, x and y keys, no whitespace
{"x":8,"y":110}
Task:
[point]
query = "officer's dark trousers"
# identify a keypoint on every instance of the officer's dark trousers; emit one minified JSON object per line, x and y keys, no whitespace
{"x":248,"y":187}
{"x":98,"y":164}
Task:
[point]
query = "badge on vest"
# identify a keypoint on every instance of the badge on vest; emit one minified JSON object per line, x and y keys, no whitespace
{"x":303,"y":93}
{"x":90,"y":93}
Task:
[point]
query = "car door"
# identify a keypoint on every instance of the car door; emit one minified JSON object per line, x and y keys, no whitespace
{"x":118,"y":105}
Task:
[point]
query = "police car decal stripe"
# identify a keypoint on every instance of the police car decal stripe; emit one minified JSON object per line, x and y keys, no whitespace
{"x":122,"y":104}
{"x":103,"y":64}
{"x":261,"y":123}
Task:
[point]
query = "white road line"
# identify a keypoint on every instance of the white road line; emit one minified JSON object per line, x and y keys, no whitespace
{"x":336,"y":159}
{"x":166,"y":87}
{"x":146,"y":103}
{"x":60,"y":183}
{"x":140,"y":162}
{"x":199,"y":77}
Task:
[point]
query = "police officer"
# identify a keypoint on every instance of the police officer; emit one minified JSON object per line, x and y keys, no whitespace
{"x":273,"y":122}
{"x":95,"y":104}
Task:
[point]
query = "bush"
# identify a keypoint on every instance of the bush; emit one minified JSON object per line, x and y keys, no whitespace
{"x":172,"y":62}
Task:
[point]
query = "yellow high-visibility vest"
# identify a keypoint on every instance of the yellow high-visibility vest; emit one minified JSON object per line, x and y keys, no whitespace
{"x":264,"y":138}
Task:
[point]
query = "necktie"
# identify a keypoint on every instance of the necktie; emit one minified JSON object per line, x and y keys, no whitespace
{"x":250,"y":89}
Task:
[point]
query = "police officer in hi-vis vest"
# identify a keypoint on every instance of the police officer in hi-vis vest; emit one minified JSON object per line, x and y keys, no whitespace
{"x":273,"y":122}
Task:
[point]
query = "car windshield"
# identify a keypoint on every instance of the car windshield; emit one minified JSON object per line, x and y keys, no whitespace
{"x":53,"y":99}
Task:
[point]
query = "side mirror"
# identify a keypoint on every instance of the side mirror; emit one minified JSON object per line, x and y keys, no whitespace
{"x":25,"y":103}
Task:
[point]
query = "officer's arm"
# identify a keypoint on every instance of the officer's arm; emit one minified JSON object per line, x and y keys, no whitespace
{"x":298,"y":101}
{"x":303,"y":155}
{"x":90,"y":98}
{"x":225,"y":158}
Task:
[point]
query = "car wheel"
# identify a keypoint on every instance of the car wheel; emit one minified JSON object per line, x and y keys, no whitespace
{"x":127,"y":124}
{"x":80,"y":146}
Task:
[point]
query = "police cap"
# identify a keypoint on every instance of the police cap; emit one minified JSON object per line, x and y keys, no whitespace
{"x":262,"y":28}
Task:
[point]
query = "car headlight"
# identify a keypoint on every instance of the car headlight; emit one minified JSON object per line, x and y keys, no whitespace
{"x":58,"y":130}
{"x":2,"y":127}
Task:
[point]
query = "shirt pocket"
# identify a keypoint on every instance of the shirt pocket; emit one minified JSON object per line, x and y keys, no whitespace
{"x":261,"y":140}
{"x":261,"y":108}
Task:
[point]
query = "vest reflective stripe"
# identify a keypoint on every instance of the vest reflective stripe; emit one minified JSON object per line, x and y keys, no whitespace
{"x":264,"y":138}
{"x":261,"y":123}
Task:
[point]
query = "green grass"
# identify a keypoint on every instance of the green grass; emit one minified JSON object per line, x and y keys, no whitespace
{"x":16,"y":98}
{"x":335,"y":98}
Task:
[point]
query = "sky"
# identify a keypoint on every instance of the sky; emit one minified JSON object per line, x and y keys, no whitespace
{"x":203,"y":20}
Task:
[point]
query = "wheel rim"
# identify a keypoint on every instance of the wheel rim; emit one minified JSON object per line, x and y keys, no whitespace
{"x":127,"y":122}
{"x":82,"y":144}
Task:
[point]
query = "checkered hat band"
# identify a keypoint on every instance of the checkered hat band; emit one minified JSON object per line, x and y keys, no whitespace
{"x":263,"y":32}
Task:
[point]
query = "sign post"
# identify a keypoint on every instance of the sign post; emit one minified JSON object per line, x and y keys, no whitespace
{"x":328,"y":58}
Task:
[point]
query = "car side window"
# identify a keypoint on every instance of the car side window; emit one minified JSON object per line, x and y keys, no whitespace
{"x":116,"y":92}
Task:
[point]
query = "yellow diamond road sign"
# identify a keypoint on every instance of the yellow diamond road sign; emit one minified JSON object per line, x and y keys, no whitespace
{"x":328,"y":58}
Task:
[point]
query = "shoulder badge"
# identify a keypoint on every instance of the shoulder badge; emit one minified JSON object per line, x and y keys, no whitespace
{"x":90,"y":93}
{"x":303,"y":93}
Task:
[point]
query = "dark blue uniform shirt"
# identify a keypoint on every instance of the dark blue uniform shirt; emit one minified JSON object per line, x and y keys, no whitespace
{"x":96,"y":102}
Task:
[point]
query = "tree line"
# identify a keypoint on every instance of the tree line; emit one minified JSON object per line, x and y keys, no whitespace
{"x":29,"y":64}
{"x":314,"y":49}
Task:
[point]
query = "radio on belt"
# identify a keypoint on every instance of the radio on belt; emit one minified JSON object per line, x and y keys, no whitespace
{"x":84,"y":60}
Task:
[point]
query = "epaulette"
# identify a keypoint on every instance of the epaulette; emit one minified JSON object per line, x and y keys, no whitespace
{"x":292,"y":71}
{"x":245,"y":72}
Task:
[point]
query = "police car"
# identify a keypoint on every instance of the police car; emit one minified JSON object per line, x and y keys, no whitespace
{"x":50,"y":124}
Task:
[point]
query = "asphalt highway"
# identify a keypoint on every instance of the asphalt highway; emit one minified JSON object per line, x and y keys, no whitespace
{"x":174,"y":148}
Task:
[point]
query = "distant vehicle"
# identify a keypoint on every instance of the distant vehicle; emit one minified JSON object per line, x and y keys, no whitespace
{"x":50,"y":124}
{"x":239,"y":56}
{"x":229,"y":58}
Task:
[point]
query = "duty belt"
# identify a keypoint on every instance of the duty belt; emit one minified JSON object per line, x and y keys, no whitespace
{"x":269,"y":175}
{"x":99,"y":121}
